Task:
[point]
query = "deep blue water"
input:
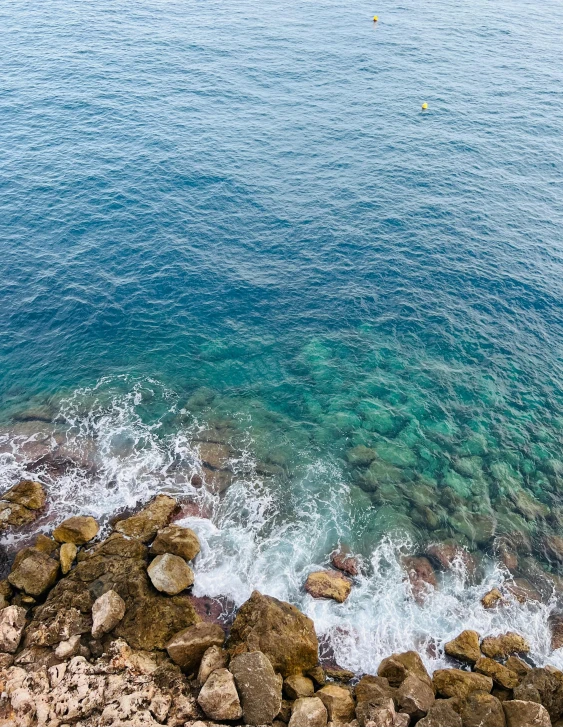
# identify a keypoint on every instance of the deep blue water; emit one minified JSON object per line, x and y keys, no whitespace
{"x":249,"y":198}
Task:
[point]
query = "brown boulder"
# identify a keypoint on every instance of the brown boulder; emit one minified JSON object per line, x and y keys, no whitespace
{"x":35,"y":574}
{"x":28,"y":494}
{"x":279,"y":630}
{"x":499,"y":647}
{"x":381,"y":714}
{"x":187,"y":647}
{"x":343,"y":560}
{"x":107,"y":612}
{"x":464,"y":647}
{"x":176,"y":540}
{"x":482,"y":710}
{"x":500,"y":675}
{"x":459,"y":683}
{"x":441,"y":714}
{"x":297,"y":687}
{"x":492,"y":598}
{"x":339,"y":703}
{"x":145,"y":524}
{"x":421,"y":576}
{"x":515,"y":664}
{"x":373,"y":689}
{"x":219,"y":698}
{"x":258,"y":686}
{"x":67,"y":555}
{"x":397,"y":667}
{"x":170,"y":574}
{"x":415,"y":697}
{"x":78,"y":530}
{"x":214,"y":658}
{"x":525,"y":714}
{"x":308,"y":712}
{"x":328,"y":584}
{"x":544,"y":686}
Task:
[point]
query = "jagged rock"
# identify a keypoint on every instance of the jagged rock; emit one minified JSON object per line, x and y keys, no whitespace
{"x":176,"y":540}
{"x":369,"y":714}
{"x":339,"y":703}
{"x":308,"y":712}
{"x":35,"y":574}
{"x":187,"y":647}
{"x":67,"y":555}
{"x":338,"y":674}
{"x":68,"y":649}
{"x":498,"y":673}
{"x":492,"y":599}
{"x":145,"y":524}
{"x":328,"y":584}
{"x":318,"y":675}
{"x":279,"y":630}
{"x":298,"y":686}
{"x":441,"y":714}
{"x":170,"y":574}
{"x":464,"y":647}
{"x":525,"y":714}
{"x":482,"y":710}
{"x":26,"y":493}
{"x":415,"y":697}
{"x":458,"y":683}
{"x":343,"y":560}
{"x":12,"y":624}
{"x":518,"y":666}
{"x":107,"y":612}
{"x":67,"y":622}
{"x":421,"y":576}
{"x":219,"y":698}
{"x":499,"y":647}
{"x":373,"y":689}
{"x":397,"y":667}
{"x":258,"y":686}
{"x":545,"y":686}
{"x":78,"y":530}
{"x":214,"y":658}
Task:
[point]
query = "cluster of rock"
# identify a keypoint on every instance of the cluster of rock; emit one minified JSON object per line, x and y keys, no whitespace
{"x":108,"y":634}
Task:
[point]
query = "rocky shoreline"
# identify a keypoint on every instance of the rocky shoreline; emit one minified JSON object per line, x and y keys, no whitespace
{"x":105,"y":632}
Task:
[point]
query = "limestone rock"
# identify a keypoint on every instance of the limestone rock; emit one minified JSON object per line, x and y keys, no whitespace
{"x":214,"y":658}
{"x":458,"y":683}
{"x":415,"y":697}
{"x":145,"y":524}
{"x":328,"y":584}
{"x":308,"y":712}
{"x":397,"y":667}
{"x":176,"y":540}
{"x":68,"y":649}
{"x":525,"y":714}
{"x":498,"y":673}
{"x":26,"y":493}
{"x":187,"y":647}
{"x":499,"y":647}
{"x":381,"y":715}
{"x":545,"y":686}
{"x":441,"y":714}
{"x":170,"y":574}
{"x":279,"y":630}
{"x":343,"y":560}
{"x":464,"y":647}
{"x":373,"y":689}
{"x":258,"y":686}
{"x":339,"y":703}
{"x":318,"y":675}
{"x":219,"y":698}
{"x":78,"y":530}
{"x":517,"y":665}
{"x":67,"y":555}
{"x":65,"y":623}
{"x":361,"y":456}
{"x":298,"y":687}
{"x":492,"y":599}
{"x":12,"y":624}
{"x":450,"y":555}
{"x":482,"y":710}
{"x":107,"y":612}
{"x":35,"y":574}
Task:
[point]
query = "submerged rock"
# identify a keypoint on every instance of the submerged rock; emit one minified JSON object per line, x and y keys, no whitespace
{"x":328,"y":584}
{"x":421,"y":576}
{"x":78,"y":530}
{"x":361,"y":456}
{"x":170,"y":574}
{"x":343,"y":560}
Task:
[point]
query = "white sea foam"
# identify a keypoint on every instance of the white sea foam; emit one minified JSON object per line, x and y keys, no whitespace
{"x":264,"y":535}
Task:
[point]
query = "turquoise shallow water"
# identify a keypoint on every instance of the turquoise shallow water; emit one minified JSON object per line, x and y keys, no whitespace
{"x":240,"y":217}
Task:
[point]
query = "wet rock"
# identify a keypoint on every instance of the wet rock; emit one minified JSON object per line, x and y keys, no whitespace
{"x":298,"y":686}
{"x":258,"y":686}
{"x":78,"y":530}
{"x":219,"y":698}
{"x":170,"y":574}
{"x":458,"y":683}
{"x":343,"y":560}
{"x":12,"y":624}
{"x":279,"y":630}
{"x":308,"y":712}
{"x":397,"y":667}
{"x":556,"y":624}
{"x":35,"y":574}
{"x":187,"y":647}
{"x":28,"y":494}
{"x":338,"y":674}
{"x":217,"y":470}
{"x":525,"y":714}
{"x":500,"y":675}
{"x":492,"y":598}
{"x":214,"y":658}
{"x":553,"y":547}
{"x":328,"y":584}
{"x":464,"y":647}
{"x":107,"y":612}
{"x":176,"y":540}
{"x":340,"y":705}
{"x":415,"y":697}
{"x":451,"y":556}
{"x":67,"y":555}
{"x":517,"y":666}
{"x":421,"y":576}
{"x":145,"y":524}
{"x":482,"y":710}
{"x":441,"y":714}
{"x":507,"y":555}
{"x":499,"y":647}
{"x":361,"y":456}
{"x":523,"y":590}
{"x":545,"y":686}
{"x":369,"y":714}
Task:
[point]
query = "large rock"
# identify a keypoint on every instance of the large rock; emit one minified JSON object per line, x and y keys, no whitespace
{"x":415,"y":697}
{"x":464,"y":647}
{"x":441,"y":714}
{"x":145,"y":524}
{"x":397,"y":667}
{"x":279,"y":630}
{"x":35,"y":574}
{"x":328,"y":584}
{"x":545,"y":686}
{"x":373,"y":689}
{"x":27,"y":493}
{"x":518,"y":666}
{"x":458,"y":683}
{"x":499,"y":647}
{"x":258,"y":686}
{"x":381,"y":714}
{"x":214,"y":658}
{"x":170,"y":574}
{"x":298,"y":687}
{"x":339,"y":703}
{"x":176,"y":540}
{"x":12,"y":624}
{"x":107,"y":612}
{"x":187,"y":647}
{"x":219,"y":698}
{"x":502,"y":676}
{"x":482,"y":710}
{"x":308,"y":712}
{"x":525,"y":714}
{"x":78,"y":530}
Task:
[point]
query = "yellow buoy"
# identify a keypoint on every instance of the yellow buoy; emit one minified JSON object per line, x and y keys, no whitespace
{"x":424,"y":106}
{"x":375,"y":18}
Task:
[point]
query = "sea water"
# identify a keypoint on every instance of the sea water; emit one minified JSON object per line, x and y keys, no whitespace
{"x":239,"y":220}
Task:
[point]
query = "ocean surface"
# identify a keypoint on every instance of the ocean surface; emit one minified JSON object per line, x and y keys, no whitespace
{"x":234,"y":224}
